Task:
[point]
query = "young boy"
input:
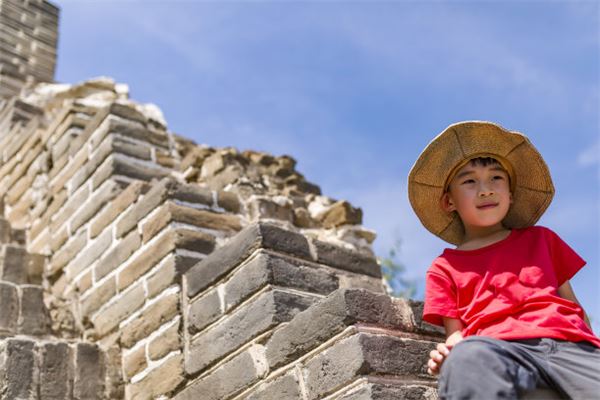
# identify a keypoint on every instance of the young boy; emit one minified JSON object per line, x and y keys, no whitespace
{"x":512,"y":321}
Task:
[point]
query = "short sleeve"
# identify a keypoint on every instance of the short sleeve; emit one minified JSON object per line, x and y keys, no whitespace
{"x":440,"y":299}
{"x":565,"y":260}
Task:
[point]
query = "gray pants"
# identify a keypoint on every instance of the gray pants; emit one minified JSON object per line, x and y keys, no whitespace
{"x":482,"y":368}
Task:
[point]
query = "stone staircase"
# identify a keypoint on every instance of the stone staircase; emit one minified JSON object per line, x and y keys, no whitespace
{"x":34,"y":363}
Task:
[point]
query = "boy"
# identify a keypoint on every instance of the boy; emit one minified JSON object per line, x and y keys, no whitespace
{"x":503,"y":295}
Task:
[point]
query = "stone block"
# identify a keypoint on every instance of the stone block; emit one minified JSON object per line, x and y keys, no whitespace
{"x":160,"y":381}
{"x":56,"y":371}
{"x":204,"y":311}
{"x":332,"y":315}
{"x":108,"y":191}
{"x":169,"y":340}
{"x":98,"y":296}
{"x":90,"y":372}
{"x":134,"y":362}
{"x":118,"y":254}
{"x":109,"y":318}
{"x":191,"y":193}
{"x":245,"y":323}
{"x":57,"y":240}
{"x":229,"y":379}
{"x":98,"y":156}
{"x":13,"y":264}
{"x":63,"y":256}
{"x":285,"y":387}
{"x":133,"y":149}
{"x":117,"y":206}
{"x":364,"y":354}
{"x":261,"y":208}
{"x":422,"y":326}
{"x":34,"y":318}
{"x":9,"y":311}
{"x":89,"y":255}
{"x":345,"y":259}
{"x":150,"y":319}
{"x":388,"y":391}
{"x":69,"y":208}
{"x":17,"y":369}
{"x":241,"y":246}
{"x":229,"y":201}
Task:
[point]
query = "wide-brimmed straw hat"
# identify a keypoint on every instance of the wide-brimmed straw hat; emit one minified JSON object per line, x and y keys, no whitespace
{"x":530,"y":181}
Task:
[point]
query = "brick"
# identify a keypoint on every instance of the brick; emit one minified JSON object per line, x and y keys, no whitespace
{"x":191,"y":193}
{"x":152,"y":318}
{"x":98,"y":296}
{"x":160,"y":381}
{"x":34,"y":318}
{"x":345,"y":259}
{"x":134,"y":362}
{"x":69,"y":208}
{"x":137,"y":150}
{"x":422,"y":326}
{"x":229,"y":201}
{"x":146,"y":260}
{"x":5,"y":230}
{"x":89,"y":255}
{"x":17,"y":368}
{"x":285,"y":387}
{"x":261,"y":208}
{"x":168,"y":341}
{"x":95,"y":160}
{"x":13,"y":267}
{"x":204,"y":311}
{"x":364,"y":354}
{"x":240,"y":247}
{"x":9,"y":312}
{"x":117,"y":255}
{"x":270,"y":269}
{"x":352,"y":280}
{"x":63,"y":256}
{"x":56,"y":371}
{"x":229,"y":379}
{"x":117,"y":206}
{"x":248,"y":321}
{"x":168,"y":273}
{"x":117,"y":164}
{"x":96,"y":201}
{"x":384,"y":391}
{"x":58,"y":239}
{"x":110,"y":317}
{"x":84,"y":282}
{"x":331,"y":315}
{"x":89,"y":372}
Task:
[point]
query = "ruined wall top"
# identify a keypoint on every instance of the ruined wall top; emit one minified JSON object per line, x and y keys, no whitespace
{"x":29,"y":37}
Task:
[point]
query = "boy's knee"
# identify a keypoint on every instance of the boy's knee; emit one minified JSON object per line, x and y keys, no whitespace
{"x":472,"y":354}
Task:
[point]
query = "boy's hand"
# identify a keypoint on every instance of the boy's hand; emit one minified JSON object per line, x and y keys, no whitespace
{"x":437,"y":356}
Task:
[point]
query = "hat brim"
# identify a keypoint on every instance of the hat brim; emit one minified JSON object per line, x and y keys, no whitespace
{"x":533,"y":188}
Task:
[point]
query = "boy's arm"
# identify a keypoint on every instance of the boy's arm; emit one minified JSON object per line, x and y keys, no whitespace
{"x":453,"y":329}
{"x":566,"y":292}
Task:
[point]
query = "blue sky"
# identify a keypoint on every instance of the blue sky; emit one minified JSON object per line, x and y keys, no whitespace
{"x":355,"y":90}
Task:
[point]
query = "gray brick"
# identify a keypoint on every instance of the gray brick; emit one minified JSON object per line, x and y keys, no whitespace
{"x":333,"y":314}
{"x":386,"y":391}
{"x":285,"y":387}
{"x":204,"y":311}
{"x":9,"y":309}
{"x":345,"y":259}
{"x":245,"y":323}
{"x":240,"y":247}
{"x":89,"y":372}
{"x":13,"y":264}
{"x":34,"y":318}
{"x":56,"y":371}
{"x":17,"y":369}
{"x":227,"y":380}
{"x":422,"y":326}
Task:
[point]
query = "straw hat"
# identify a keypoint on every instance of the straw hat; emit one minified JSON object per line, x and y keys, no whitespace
{"x":531,"y":184}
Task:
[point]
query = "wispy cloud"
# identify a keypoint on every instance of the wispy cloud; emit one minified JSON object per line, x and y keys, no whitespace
{"x":590,"y":155}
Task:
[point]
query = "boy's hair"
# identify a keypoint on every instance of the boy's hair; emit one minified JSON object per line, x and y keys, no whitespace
{"x":484,"y":161}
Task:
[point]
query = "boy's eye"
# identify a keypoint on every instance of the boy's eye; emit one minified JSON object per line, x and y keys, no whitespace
{"x":469,"y":181}
{"x":498,"y":177}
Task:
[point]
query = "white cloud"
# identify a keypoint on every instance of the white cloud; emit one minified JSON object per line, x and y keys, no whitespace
{"x":590,"y":155}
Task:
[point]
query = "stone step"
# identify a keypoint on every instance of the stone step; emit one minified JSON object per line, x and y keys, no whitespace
{"x":22,"y":310}
{"x":45,"y":370}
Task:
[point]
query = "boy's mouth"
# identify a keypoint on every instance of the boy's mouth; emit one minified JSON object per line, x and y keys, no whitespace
{"x":486,"y":206}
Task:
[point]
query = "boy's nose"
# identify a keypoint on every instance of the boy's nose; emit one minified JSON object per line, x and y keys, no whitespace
{"x":485,"y":191}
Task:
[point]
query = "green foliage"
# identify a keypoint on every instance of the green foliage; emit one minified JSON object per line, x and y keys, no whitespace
{"x":393,"y":273}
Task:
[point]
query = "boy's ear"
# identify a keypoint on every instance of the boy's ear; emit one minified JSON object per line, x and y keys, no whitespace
{"x":446,"y":203}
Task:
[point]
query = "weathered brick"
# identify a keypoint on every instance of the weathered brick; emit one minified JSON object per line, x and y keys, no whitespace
{"x":117,"y":206}
{"x":69,"y":208}
{"x":192,"y":193}
{"x":146,"y":260}
{"x":85,"y":171}
{"x":118,"y":254}
{"x":56,"y":371}
{"x":133,"y":149}
{"x":108,"y":191}
{"x":134,"y":362}
{"x":57,"y":240}
{"x":17,"y":368}
{"x":333,"y":314}
{"x":5,"y":231}
{"x":89,"y":372}
{"x":107,"y":319}
{"x":63,"y":256}
{"x":169,"y":340}
{"x":84,"y":282}
{"x":238,"y":373}
{"x":240,"y":247}
{"x":349,"y":260}
{"x":351,"y":280}
{"x":13,"y":264}
{"x":387,"y":391}
{"x":364,"y":354}
{"x":204,"y":311}
{"x":117,"y":164}
{"x":9,"y":311}
{"x":420,"y":325}
{"x":160,"y":381}
{"x":155,"y":315}
{"x":34,"y":318}
{"x":89,"y":255}
{"x":246,"y":322}
{"x":341,"y":213}
{"x":261,"y":208}
{"x":98,"y":296}
{"x":229,"y":201}
{"x":168,"y":273}
{"x":285,"y":387}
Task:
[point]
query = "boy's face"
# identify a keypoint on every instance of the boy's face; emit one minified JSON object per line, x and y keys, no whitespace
{"x":480,"y":195}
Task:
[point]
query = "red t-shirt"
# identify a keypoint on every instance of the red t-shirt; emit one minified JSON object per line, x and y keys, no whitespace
{"x":508,"y":290}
